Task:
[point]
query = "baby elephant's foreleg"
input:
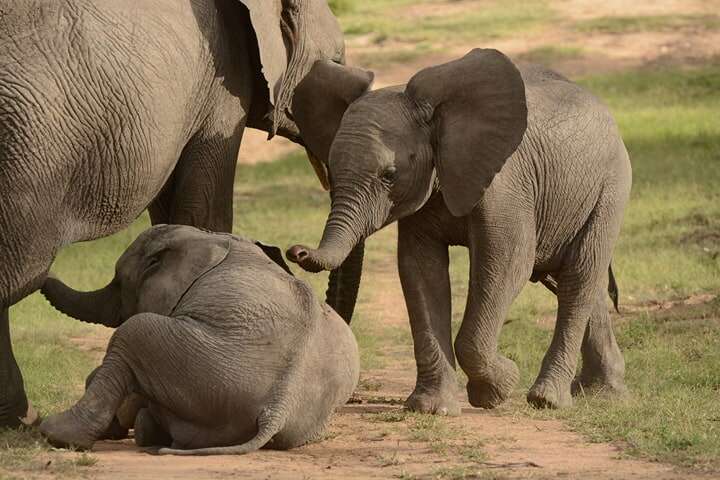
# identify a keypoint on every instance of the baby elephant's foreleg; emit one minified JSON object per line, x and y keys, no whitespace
{"x":501,"y":261}
{"x":111,"y":384}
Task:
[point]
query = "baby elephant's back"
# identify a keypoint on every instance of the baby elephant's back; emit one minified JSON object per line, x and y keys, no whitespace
{"x":250,"y":297}
{"x":571,"y":155}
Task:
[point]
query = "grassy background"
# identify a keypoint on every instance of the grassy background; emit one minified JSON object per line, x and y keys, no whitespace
{"x":669,"y":249}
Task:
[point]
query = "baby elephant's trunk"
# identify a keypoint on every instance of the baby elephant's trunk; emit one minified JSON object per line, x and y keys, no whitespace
{"x":101,"y":306}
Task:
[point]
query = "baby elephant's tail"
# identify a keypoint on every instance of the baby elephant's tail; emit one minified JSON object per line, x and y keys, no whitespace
{"x":269,"y":424}
{"x":271,"y":420}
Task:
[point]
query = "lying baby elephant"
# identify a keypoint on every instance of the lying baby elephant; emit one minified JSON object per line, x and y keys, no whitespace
{"x":230,"y":351}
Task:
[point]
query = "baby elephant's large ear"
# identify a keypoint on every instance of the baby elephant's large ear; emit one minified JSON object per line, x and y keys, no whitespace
{"x":175,"y":264}
{"x":319,"y":104}
{"x":479,"y":119}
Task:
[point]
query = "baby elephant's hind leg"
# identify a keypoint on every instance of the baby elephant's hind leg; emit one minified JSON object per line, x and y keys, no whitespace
{"x":93,"y":416}
{"x":603,"y":366}
{"x":579,"y":286}
{"x":109,"y":387}
{"x":148,"y":432}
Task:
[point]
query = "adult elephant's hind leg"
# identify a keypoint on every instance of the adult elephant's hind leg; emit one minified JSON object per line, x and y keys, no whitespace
{"x":200,"y":190}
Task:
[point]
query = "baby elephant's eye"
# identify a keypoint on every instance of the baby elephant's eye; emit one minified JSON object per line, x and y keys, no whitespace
{"x":389,"y":175}
{"x":155,"y":259}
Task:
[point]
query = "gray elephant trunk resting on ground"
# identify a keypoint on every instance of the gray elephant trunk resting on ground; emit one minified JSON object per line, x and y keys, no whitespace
{"x":110,"y":107}
{"x":521,"y":166}
{"x":230,"y":351}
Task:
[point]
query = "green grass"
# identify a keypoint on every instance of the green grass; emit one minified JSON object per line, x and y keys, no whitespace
{"x":672,"y":413}
{"x":548,"y":54}
{"x":340,"y":7}
{"x":401,"y":54}
{"x":650,"y":23}
{"x":388,"y":20}
{"x":26,"y":454}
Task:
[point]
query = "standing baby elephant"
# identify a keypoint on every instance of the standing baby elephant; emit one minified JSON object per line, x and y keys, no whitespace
{"x":230,"y":350}
{"x":523,"y":167}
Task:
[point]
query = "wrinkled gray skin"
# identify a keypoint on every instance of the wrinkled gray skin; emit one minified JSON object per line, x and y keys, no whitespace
{"x":110,"y":106}
{"x":229,"y":349}
{"x":524,"y":168}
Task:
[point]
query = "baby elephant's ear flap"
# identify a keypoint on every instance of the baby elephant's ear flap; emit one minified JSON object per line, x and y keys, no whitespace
{"x":183,"y":258}
{"x":479,"y":119}
{"x":318,"y":106}
{"x":275,"y":254}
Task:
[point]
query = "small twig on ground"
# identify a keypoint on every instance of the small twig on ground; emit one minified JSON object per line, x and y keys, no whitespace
{"x":511,"y":465}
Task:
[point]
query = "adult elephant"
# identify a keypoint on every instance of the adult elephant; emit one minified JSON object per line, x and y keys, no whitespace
{"x":108,"y":107}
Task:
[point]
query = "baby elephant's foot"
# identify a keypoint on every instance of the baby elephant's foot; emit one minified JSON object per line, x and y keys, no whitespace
{"x":549,"y":394}
{"x":597,"y":381}
{"x":436,"y":400}
{"x":148,"y":432}
{"x":64,"y":430}
{"x":491,"y":390}
{"x":115,"y":431}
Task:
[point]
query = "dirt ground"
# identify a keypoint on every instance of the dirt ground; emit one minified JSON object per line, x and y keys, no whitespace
{"x":360,"y":448}
{"x":478,"y":444}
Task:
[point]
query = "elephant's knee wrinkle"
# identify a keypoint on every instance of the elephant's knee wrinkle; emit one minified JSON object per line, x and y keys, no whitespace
{"x":472,"y":358}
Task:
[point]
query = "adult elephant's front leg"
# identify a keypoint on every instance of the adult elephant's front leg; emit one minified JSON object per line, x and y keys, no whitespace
{"x":423,"y":264}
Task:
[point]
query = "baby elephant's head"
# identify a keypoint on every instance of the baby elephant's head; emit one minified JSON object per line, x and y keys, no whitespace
{"x":151,"y":276}
{"x":386,"y":151}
